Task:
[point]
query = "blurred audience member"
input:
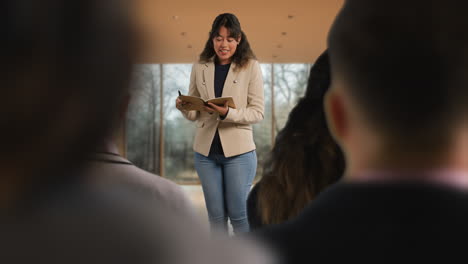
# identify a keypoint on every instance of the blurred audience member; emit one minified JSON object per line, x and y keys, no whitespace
{"x":106,"y":166}
{"x":65,"y":69}
{"x":304,"y":161}
{"x":398,"y":107}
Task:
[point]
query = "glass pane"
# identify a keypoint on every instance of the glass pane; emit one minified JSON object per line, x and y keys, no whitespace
{"x":178,"y":131}
{"x":143,"y":122}
{"x":290,"y":85}
{"x":262,"y":130}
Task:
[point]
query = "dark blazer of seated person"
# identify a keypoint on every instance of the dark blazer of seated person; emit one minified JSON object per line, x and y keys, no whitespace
{"x":363,"y":220}
{"x":304,"y":161}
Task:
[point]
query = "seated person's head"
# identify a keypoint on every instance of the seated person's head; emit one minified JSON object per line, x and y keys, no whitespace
{"x":65,"y":66}
{"x":305,"y":159}
{"x":305,"y":145}
{"x":399,"y":86}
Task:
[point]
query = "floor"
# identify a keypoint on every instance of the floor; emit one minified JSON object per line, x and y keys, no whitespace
{"x":195,"y":193}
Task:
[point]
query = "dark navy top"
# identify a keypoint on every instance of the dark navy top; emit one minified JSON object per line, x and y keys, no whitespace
{"x":221,"y":72}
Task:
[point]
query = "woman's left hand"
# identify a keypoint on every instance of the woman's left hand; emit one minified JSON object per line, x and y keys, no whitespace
{"x":222,"y":110}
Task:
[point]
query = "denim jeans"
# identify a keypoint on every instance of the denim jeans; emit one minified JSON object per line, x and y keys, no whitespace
{"x":226,"y":184}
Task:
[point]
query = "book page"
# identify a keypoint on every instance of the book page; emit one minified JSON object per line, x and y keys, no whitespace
{"x":197,"y":102}
{"x":222,"y":100}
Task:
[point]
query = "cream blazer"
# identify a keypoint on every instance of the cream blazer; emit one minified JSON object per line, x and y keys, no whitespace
{"x":235,"y":131}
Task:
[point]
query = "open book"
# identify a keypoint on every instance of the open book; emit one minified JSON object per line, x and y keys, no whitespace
{"x":198,"y":103}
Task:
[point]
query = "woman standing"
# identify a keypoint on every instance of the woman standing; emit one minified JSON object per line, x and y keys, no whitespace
{"x":225,"y":157}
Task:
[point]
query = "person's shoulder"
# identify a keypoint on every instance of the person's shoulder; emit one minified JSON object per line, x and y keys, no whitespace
{"x":251,"y":63}
{"x":157,"y":182}
{"x":203,"y":63}
{"x":199,"y":64}
{"x":162,"y":191}
{"x":249,"y":66}
{"x":253,"y":66}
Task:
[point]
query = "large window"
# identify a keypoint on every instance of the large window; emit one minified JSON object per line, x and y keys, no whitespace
{"x":159,"y":139}
{"x":178,"y":131}
{"x":290,"y":81}
{"x":263,"y":130}
{"x":143,"y":119}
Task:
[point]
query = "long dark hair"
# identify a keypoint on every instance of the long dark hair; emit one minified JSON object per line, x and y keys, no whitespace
{"x":243,"y":52}
{"x":305,"y":158}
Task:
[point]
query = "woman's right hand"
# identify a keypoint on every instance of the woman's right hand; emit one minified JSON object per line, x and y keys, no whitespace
{"x":181,"y":105}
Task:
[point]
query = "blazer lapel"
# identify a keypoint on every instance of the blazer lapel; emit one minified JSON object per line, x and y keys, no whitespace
{"x":208,"y":79}
{"x":230,"y":81}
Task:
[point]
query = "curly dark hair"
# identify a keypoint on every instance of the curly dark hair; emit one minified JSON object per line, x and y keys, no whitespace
{"x":305,"y":159}
{"x":243,"y":52}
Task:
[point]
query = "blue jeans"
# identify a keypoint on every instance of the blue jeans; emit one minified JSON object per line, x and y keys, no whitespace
{"x":226,"y":184}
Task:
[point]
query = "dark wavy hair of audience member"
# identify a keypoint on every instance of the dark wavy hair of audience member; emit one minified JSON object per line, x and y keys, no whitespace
{"x":65,"y":67}
{"x":305,"y":159}
{"x":243,"y":52}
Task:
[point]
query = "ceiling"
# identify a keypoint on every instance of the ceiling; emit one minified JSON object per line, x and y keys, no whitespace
{"x":281,"y":31}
